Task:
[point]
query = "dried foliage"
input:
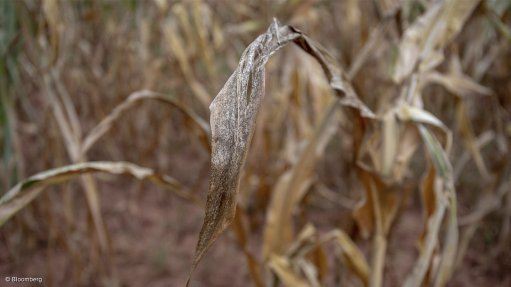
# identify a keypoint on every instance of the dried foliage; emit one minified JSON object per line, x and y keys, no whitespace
{"x":371,"y":155}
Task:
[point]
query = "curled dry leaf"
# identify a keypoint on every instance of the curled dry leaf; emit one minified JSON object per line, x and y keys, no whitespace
{"x":233,"y":115}
{"x":25,"y":191}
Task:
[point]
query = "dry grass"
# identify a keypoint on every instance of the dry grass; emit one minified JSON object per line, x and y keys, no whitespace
{"x":368,"y":112}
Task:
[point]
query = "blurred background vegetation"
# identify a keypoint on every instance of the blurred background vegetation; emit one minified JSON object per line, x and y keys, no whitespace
{"x":66,"y":65}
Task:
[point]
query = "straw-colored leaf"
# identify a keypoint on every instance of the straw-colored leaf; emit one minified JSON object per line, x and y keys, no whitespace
{"x":25,"y":191}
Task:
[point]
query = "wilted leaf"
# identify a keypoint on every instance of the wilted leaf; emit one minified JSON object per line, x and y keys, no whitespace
{"x":233,"y":114}
{"x":25,"y":191}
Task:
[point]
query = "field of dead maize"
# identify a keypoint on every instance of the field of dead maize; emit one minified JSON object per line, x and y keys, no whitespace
{"x":255,"y":143}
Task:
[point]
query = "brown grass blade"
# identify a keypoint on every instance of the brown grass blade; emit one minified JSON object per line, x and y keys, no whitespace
{"x":25,"y":191}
